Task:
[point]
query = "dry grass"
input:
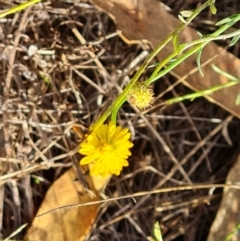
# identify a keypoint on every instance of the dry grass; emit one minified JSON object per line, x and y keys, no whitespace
{"x":71,"y":79}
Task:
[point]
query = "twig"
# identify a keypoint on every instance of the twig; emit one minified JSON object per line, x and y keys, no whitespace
{"x":145,"y":193}
{"x":6,"y":88}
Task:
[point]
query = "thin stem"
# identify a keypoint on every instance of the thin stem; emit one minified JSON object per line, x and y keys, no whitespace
{"x":171,"y":66}
{"x":174,"y":33}
{"x":208,"y":39}
{"x":201,"y":93}
{"x":209,"y":91}
{"x":123,"y":96}
{"x":18,"y":8}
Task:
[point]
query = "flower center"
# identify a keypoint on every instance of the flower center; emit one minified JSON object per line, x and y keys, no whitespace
{"x":107,"y":147}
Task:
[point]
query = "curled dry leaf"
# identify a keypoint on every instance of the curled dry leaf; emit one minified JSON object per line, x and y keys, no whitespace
{"x":228,"y":217}
{"x":72,"y":223}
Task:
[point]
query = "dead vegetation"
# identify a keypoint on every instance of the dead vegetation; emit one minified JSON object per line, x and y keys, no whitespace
{"x":65,"y":65}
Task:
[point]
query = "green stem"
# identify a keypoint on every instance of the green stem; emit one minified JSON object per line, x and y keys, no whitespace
{"x":123,"y":96}
{"x":209,"y":91}
{"x":209,"y":39}
{"x":18,"y":8}
{"x":203,"y":42}
{"x":201,"y":93}
{"x":174,"y":33}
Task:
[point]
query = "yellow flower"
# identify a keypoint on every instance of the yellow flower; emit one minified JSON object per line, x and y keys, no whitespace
{"x":106,"y":150}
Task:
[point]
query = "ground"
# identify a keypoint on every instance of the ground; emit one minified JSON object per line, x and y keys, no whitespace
{"x":61,"y":80}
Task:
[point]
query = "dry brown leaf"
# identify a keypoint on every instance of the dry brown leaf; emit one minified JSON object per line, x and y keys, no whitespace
{"x":66,"y":224}
{"x":228,"y":217}
{"x":147,"y":19}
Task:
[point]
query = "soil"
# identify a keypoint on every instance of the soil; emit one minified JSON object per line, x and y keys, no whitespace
{"x":52,"y":81}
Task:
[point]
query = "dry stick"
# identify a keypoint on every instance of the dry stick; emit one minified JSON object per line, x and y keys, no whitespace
{"x":196,"y":148}
{"x":40,"y":166}
{"x":74,"y":91}
{"x":146,"y":168}
{"x":26,"y":181}
{"x":41,"y":154}
{"x":172,"y":117}
{"x":167,"y":150}
{"x":194,"y":129}
{"x":163,"y":207}
{"x":89,"y":81}
{"x":165,"y":146}
{"x":28,"y":170}
{"x":6,"y":159}
{"x":137,"y":228}
{"x":81,"y":39}
{"x":107,"y":37}
{"x":47,"y":127}
{"x":185,"y":159}
{"x":16,"y":232}
{"x":2,"y":187}
{"x":17,"y":204}
{"x":7,"y":85}
{"x":6,"y":90}
{"x":2,"y":191}
{"x":145,"y":194}
{"x":207,"y":150}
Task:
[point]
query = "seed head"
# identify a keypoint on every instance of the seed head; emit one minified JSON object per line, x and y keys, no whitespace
{"x":141,"y":96}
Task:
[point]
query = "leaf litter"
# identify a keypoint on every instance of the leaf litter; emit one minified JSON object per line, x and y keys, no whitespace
{"x":64,"y":81}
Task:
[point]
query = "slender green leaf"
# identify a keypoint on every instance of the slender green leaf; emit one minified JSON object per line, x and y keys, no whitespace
{"x":153,"y":65}
{"x":18,"y":8}
{"x":213,"y":9}
{"x":199,"y":34}
{"x":226,"y":20}
{"x":157,"y":63}
{"x":186,"y":13}
{"x":233,"y":234}
{"x":202,"y":93}
{"x":182,"y":18}
{"x":157,"y":232}
{"x":176,"y":42}
{"x":223,"y":73}
{"x":237,"y":100}
{"x":199,"y":54}
{"x":234,"y":40}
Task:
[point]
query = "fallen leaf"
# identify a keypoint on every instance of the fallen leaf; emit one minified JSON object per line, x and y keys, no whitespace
{"x":228,"y":218}
{"x":147,"y":19}
{"x":66,"y":223}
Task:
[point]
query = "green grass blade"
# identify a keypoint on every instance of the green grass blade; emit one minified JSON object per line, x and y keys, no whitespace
{"x":18,"y":8}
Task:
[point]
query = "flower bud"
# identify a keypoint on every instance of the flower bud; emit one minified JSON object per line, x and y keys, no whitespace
{"x":140,"y":96}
